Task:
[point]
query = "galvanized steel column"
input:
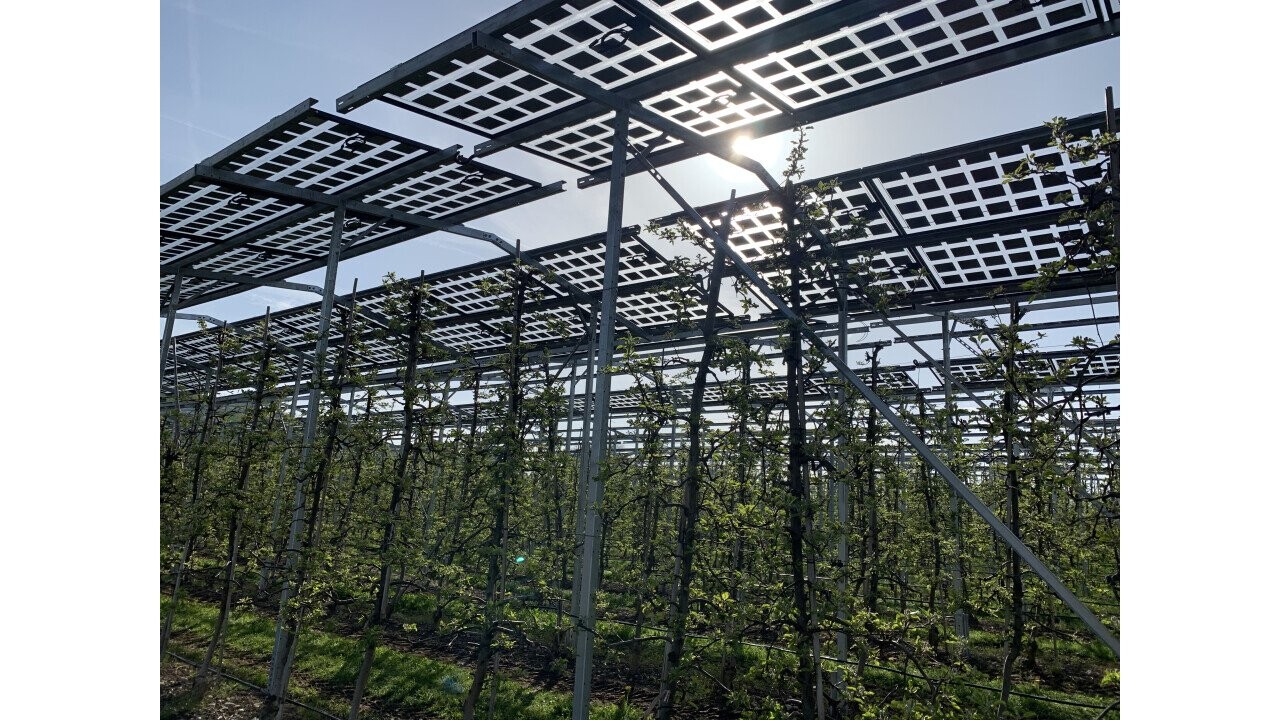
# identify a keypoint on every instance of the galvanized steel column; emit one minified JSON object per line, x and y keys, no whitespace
{"x":585,"y":639}
{"x":279,"y":654}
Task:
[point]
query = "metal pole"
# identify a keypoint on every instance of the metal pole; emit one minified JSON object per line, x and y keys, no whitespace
{"x":279,"y":653}
{"x":842,"y":503}
{"x":580,"y":518}
{"x":175,"y":293}
{"x":284,"y":465}
{"x":957,"y":570}
{"x":573,"y":389}
{"x":1081,"y":611}
{"x":600,"y":425}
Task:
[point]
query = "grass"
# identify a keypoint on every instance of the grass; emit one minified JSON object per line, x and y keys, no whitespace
{"x":410,"y":683}
{"x":326,"y":666}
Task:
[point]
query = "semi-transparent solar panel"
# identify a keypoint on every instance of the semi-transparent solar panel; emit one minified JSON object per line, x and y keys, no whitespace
{"x":216,"y":212}
{"x":904,"y":42}
{"x":717,"y":23}
{"x":321,"y":153}
{"x":1012,"y":257}
{"x":715,"y":66}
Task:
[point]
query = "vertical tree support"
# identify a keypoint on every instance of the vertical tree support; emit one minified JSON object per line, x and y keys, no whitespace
{"x":600,"y":425}
{"x":842,"y":511}
{"x":584,"y":450}
{"x":1005,"y":534}
{"x":265,"y":572}
{"x":280,"y":652}
{"x":957,"y":568}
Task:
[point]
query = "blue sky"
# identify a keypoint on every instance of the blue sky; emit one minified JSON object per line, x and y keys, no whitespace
{"x":227,"y":67}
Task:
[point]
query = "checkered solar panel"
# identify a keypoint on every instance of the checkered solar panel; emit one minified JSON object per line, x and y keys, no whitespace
{"x":553,"y":325}
{"x":446,"y":190}
{"x":1036,"y":367}
{"x":1012,"y":257}
{"x":322,"y":153}
{"x":974,"y":228}
{"x":970,"y":370}
{"x":304,"y":241}
{"x":889,"y":380}
{"x":654,"y":308}
{"x":581,"y":265}
{"x":596,"y":40}
{"x":472,"y":320}
{"x":961,"y":189}
{"x":465,"y":294}
{"x":907,"y":41}
{"x":587,"y":145}
{"x":717,"y":23}
{"x":1103,"y":365}
{"x":711,"y":105}
{"x":311,"y":149}
{"x":466,"y":336}
{"x":214,"y":212}
{"x":750,"y":60}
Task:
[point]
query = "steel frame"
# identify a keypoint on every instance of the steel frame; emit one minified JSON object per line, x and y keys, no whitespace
{"x":654,"y":139}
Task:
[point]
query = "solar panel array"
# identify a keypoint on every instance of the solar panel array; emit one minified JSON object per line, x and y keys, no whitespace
{"x":210,"y":225}
{"x":946,"y":220}
{"x":470,"y":315}
{"x":717,"y":66}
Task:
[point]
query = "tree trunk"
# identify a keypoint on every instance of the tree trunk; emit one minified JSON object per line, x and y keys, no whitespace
{"x":1013,"y":494}
{"x":197,"y":471}
{"x":292,"y":616}
{"x":378,"y":614}
{"x":796,"y":480}
{"x":248,"y":448}
{"x":508,"y":471}
{"x":690,"y":502}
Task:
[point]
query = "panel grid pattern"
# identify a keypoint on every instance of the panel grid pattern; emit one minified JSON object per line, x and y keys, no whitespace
{"x":716,"y":23}
{"x":319,"y":153}
{"x":957,"y":190}
{"x":1004,"y":257}
{"x":907,"y":41}
{"x":324,"y":154}
{"x":711,"y":105}
{"x":809,"y":65}
{"x":215,"y":212}
{"x":595,"y":39}
{"x":445,"y":190}
{"x":587,"y":145}
{"x":582,"y":266}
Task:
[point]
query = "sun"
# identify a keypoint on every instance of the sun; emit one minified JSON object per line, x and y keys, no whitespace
{"x":768,"y":151}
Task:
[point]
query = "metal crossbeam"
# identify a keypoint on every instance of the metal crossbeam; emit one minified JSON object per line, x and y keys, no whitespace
{"x":249,"y":280}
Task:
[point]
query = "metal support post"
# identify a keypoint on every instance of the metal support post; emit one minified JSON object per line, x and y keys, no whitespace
{"x":175,"y":291}
{"x":282,"y":651}
{"x":600,"y":426}
{"x":284,"y":467}
{"x":584,"y":444}
{"x":957,"y":570}
{"x":842,"y":504}
{"x":573,"y":389}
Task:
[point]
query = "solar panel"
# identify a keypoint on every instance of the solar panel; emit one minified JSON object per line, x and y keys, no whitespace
{"x":229,"y":224}
{"x":469,"y":316}
{"x":944,"y":220}
{"x":715,"y":66}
